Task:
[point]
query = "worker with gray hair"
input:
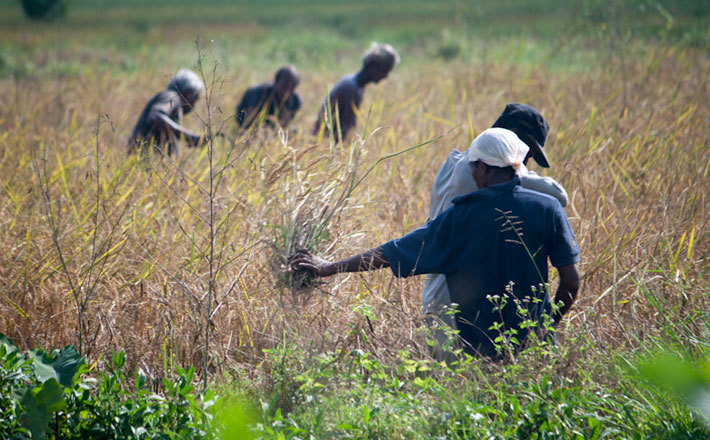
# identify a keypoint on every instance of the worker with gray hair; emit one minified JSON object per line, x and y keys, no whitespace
{"x":271,"y":103}
{"x":161,"y":122}
{"x":346,"y":96}
{"x":493,"y":246}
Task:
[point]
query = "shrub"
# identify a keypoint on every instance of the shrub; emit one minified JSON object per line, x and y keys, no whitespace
{"x":449,"y":50}
{"x":45,"y":9}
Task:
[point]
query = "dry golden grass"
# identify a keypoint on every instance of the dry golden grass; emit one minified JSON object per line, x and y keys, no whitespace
{"x":629,"y":142}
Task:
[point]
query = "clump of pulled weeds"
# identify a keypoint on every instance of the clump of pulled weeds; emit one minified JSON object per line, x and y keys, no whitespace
{"x":306,"y":231}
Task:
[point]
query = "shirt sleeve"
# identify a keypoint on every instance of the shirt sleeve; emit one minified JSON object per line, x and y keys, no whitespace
{"x":294,"y":102}
{"x":545,"y":185}
{"x":439,"y":188}
{"x":424,"y":250}
{"x":564,"y":249}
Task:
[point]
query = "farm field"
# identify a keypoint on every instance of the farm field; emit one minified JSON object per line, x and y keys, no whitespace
{"x":180,"y":263}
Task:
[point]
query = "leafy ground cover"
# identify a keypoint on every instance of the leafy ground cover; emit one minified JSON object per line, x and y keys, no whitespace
{"x":117,"y":254}
{"x":50,"y":394}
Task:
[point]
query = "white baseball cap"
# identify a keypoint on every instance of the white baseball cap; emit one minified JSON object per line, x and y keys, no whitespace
{"x":498,"y":147}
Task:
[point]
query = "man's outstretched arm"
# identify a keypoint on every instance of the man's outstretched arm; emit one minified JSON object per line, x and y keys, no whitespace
{"x":370,"y":260}
{"x":567,"y":290}
{"x":165,"y":123}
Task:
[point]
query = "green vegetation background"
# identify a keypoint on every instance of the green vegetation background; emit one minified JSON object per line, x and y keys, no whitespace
{"x":309,"y":32}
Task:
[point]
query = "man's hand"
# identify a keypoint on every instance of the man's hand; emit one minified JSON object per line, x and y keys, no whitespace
{"x":370,"y":260}
{"x":304,"y":260}
{"x":567,"y":290}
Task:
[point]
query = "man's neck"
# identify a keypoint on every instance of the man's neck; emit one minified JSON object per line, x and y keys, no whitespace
{"x":362,"y":78}
{"x":499,"y":178}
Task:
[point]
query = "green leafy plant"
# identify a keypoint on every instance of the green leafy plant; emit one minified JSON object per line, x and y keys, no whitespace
{"x":50,"y":393}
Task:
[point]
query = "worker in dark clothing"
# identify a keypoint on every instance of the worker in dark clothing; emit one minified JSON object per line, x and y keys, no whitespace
{"x":273,"y":103}
{"x":493,"y":246}
{"x":346,"y":96}
{"x":161,"y":122}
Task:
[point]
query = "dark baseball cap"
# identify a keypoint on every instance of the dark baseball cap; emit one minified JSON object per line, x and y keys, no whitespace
{"x":529,"y":125}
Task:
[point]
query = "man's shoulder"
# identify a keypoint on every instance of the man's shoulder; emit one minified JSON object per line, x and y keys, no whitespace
{"x":536,"y":206}
{"x":489,"y":193}
{"x":166,"y":96}
{"x":447,"y":168}
{"x":348,"y":79}
{"x":162,"y":102}
{"x":345,"y":84}
{"x":165,"y":102}
{"x":529,"y":195}
{"x":257,"y":91}
{"x":471,"y":200}
{"x":511,"y":191}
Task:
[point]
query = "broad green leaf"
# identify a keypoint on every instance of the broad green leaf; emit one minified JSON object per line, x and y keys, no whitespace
{"x":9,"y":346}
{"x":39,"y":404}
{"x":62,"y":365}
{"x":67,"y":365}
{"x":42,"y":363}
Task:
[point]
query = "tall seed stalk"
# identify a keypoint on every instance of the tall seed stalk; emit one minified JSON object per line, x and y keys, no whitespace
{"x":210,"y":158}
{"x":215,"y":175}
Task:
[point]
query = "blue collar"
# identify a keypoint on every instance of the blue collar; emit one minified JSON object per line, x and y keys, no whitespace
{"x":490,"y":191}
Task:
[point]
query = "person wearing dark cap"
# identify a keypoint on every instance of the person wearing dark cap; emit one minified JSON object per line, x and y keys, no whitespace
{"x":530,"y":126}
{"x":454,"y":179}
{"x":271,"y":103}
{"x":495,"y":241}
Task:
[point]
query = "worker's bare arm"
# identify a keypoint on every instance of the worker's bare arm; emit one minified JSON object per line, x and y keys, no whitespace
{"x":567,"y":290}
{"x":164,"y":123}
{"x":370,"y":260}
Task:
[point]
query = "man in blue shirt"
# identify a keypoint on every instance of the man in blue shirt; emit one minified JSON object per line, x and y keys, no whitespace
{"x":495,"y":241}
{"x":454,"y":179}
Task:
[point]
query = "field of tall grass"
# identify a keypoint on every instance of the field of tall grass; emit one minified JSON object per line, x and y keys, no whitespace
{"x":183,"y":262}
